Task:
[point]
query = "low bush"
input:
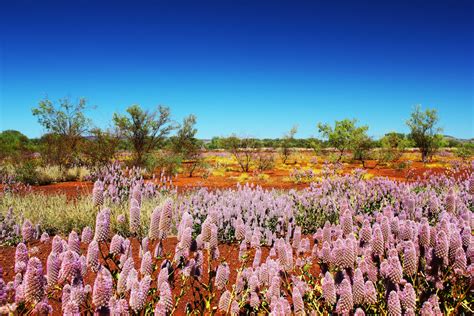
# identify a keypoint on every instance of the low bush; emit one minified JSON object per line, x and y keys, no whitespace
{"x":302,"y":175}
{"x":27,"y":173}
{"x":264,"y":161}
{"x":465,"y":152}
{"x":30,"y":172}
{"x":167,"y":163}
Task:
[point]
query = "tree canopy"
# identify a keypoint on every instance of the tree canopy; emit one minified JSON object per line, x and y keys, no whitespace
{"x":344,"y":135}
{"x":66,"y":118}
{"x":424,"y":131}
{"x":13,"y":144}
{"x":146,"y":130}
{"x":65,"y":124}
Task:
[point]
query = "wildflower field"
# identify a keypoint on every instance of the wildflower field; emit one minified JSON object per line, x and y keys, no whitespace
{"x":307,"y":158}
{"x":345,"y":245}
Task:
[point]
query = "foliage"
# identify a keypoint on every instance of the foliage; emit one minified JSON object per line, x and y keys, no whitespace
{"x":392,"y":147}
{"x":219,"y":143}
{"x":316,"y":145}
{"x":285,"y":151}
{"x":361,"y":147}
{"x":344,"y":135}
{"x":465,"y":151}
{"x":451,"y":142}
{"x":30,"y":172}
{"x":65,"y":124}
{"x":425,"y":132}
{"x":215,"y":143}
{"x":100,"y":149}
{"x":65,"y":119}
{"x":27,"y":173}
{"x":245,"y":150}
{"x":185,"y":142}
{"x":145,"y":130}
{"x":14,"y":146}
{"x":165,"y":162}
{"x":264,"y":161}
{"x":187,"y":146}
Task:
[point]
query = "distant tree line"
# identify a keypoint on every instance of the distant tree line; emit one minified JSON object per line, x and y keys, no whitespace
{"x":155,"y":140}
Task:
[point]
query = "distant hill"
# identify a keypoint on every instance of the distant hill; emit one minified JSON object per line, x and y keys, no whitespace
{"x":461,"y":140}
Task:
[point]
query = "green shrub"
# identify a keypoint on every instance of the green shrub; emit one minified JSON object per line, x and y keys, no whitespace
{"x":27,"y":173}
{"x":402,"y":165}
{"x":30,"y":173}
{"x":15,"y":146}
{"x":465,"y":151}
{"x":101,"y":149}
{"x":167,"y":163}
{"x":392,"y":147}
{"x":265,"y":161}
{"x":49,"y":174}
{"x":6,"y":170}
{"x":76,"y":174}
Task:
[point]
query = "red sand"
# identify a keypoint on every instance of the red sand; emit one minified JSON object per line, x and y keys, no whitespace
{"x":228,"y":253}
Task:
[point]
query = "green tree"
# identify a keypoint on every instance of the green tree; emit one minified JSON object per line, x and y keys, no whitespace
{"x":185,"y":142}
{"x":187,"y":146}
{"x":361,"y":146}
{"x":214,"y":143}
{"x":287,"y":143}
{"x":100,"y":148}
{"x":145,"y":130}
{"x":392,"y":146}
{"x":393,"y":140}
{"x":14,"y":145}
{"x":465,"y":151}
{"x":66,"y":124}
{"x":425,"y":132}
{"x":315,"y":144}
{"x":244,"y":150}
{"x":344,"y":134}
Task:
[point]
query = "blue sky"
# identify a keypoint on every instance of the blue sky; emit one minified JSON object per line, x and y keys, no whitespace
{"x":247,"y":67}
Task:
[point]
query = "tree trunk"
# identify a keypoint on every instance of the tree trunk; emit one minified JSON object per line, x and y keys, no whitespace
{"x":341,"y":152}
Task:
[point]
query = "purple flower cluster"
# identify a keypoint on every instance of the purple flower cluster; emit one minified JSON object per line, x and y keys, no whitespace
{"x":395,"y":251}
{"x":117,"y":184}
{"x":378,"y":247}
{"x":9,"y":229}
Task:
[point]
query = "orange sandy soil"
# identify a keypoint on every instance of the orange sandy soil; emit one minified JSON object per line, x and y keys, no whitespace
{"x":71,"y":189}
{"x":278,"y":178}
{"x":228,"y":253}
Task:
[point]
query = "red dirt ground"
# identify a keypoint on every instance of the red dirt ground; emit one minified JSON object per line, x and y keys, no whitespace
{"x":228,"y":253}
{"x":69,"y":188}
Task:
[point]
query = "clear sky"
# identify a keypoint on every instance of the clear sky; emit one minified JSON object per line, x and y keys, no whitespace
{"x":252,"y":67}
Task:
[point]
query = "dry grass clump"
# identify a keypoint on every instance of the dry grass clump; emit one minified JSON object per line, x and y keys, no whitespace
{"x":58,"y":215}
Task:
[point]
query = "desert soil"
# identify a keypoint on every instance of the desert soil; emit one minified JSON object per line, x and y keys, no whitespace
{"x":228,"y":253}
